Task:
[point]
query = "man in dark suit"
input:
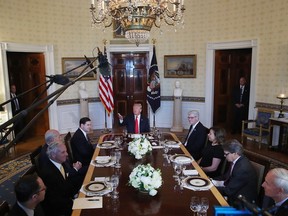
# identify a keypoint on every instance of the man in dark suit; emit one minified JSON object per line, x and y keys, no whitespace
{"x":16,"y":108}
{"x":75,"y":170}
{"x":136,"y":122}
{"x":241,"y":178}
{"x":60,"y":190}
{"x":80,"y":143}
{"x":196,"y":138}
{"x":276,"y":187}
{"x":240,"y":105}
{"x":30,"y":191}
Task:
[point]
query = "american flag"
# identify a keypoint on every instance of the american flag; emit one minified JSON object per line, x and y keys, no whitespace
{"x":106,"y":88}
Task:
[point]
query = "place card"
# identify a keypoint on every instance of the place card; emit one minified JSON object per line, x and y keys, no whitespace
{"x":88,"y":203}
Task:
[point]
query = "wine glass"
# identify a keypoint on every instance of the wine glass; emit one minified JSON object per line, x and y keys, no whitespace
{"x":166,"y":149}
{"x":114,"y":182}
{"x":183,"y":168}
{"x":195,"y":204}
{"x":125,"y":133}
{"x":159,"y":136}
{"x":108,"y":184}
{"x":117,"y":155}
{"x":177,"y":168}
{"x":204,"y":205}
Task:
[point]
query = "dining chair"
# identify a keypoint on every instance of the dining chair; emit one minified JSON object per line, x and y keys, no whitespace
{"x":30,"y":171}
{"x":34,"y":157}
{"x":67,"y":142}
{"x":259,"y":128}
{"x":4,"y":208}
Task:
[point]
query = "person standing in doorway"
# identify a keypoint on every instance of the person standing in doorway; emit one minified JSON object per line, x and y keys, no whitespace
{"x":240,"y":105}
{"x":16,"y":108}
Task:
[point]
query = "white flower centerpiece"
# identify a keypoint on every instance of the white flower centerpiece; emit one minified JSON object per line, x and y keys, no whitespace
{"x":146,"y":178}
{"x":139,"y":147}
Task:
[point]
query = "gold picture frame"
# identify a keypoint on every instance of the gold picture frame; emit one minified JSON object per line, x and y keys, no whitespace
{"x":118,"y":31}
{"x":180,"y":66}
{"x":73,"y":66}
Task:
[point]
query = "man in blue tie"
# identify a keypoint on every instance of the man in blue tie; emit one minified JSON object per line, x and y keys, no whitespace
{"x":276,"y":187}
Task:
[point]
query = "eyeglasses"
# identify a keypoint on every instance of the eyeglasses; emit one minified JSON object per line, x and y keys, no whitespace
{"x":43,"y":189}
{"x":226,"y":153}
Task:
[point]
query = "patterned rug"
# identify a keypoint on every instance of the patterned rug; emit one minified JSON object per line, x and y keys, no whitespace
{"x":9,"y":174}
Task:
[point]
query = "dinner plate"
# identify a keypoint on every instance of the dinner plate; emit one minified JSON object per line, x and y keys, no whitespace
{"x":95,"y":187}
{"x":171,"y":142}
{"x":102,"y":161}
{"x":197,"y":182}
{"x":181,"y":158}
{"x":106,"y":145}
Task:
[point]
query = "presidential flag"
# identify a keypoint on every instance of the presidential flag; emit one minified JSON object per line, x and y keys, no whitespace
{"x":105,"y":84}
{"x":153,"y":88}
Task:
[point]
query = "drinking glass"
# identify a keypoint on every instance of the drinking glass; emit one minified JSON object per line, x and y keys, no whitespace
{"x":204,"y":205}
{"x":177,"y":168}
{"x":117,"y":157}
{"x":114,"y":182}
{"x":159,"y":136}
{"x":166,"y":149}
{"x":183,"y":168}
{"x":125,"y":133}
{"x":108,"y":184}
{"x":195,"y":204}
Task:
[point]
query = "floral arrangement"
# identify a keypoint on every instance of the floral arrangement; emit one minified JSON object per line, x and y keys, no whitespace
{"x":139,"y":147}
{"x":146,"y":178}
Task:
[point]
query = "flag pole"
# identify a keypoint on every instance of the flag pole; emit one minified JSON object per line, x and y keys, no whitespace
{"x":106,"y":130}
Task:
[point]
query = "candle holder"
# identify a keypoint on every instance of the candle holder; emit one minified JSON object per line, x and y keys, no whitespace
{"x":282,"y":97}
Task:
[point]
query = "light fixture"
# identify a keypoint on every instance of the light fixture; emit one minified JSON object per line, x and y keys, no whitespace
{"x":136,"y":17}
{"x":282,"y":97}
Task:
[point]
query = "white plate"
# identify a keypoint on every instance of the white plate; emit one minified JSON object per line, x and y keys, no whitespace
{"x":181,"y":158}
{"x":197,"y":182}
{"x":106,"y":145}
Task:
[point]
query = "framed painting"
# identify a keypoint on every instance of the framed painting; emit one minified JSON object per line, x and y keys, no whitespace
{"x":72,"y":67}
{"x":118,"y":31}
{"x":180,"y":66}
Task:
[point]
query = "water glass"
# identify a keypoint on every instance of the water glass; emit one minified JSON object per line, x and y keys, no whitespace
{"x":117,"y":155}
{"x":125,"y":133}
{"x":195,"y":204}
{"x":204,"y":205}
{"x":114,"y":182}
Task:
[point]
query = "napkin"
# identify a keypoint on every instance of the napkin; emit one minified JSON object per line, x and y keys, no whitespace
{"x":197,"y":188}
{"x":190,"y":172}
{"x":88,"y":203}
{"x":218,"y":183}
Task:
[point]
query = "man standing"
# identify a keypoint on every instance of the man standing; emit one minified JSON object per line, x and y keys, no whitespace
{"x":276,"y":187}
{"x":16,"y":109}
{"x":241,"y":178}
{"x":30,"y":191}
{"x":196,"y":139}
{"x":80,"y":143}
{"x":240,"y":105}
{"x":136,"y":122}
{"x":60,"y":190}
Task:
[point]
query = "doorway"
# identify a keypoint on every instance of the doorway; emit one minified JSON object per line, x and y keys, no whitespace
{"x":130,"y":82}
{"x":27,"y":70}
{"x":230,"y":65}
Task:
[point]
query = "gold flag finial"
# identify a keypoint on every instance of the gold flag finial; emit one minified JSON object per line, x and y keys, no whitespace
{"x":154,"y":41}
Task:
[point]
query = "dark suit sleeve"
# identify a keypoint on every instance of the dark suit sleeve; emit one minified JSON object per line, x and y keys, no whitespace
{"x":144,"y":125}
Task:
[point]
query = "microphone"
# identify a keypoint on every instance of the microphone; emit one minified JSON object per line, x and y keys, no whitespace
{"x":250,"y":206}
{"x":59,"y":79}
{"x":91,"y":65}
{"x":103,"y":66}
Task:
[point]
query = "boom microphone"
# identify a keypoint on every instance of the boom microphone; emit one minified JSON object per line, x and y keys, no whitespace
{"x":250,"y":206}
{"x":59,"y":79}
{"x":91,"y":65}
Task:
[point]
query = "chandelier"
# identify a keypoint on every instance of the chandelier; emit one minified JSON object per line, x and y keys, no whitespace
{"x":136,"y":17}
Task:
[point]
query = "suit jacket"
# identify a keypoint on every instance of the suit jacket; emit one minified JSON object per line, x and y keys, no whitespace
{"x":76,"y":177}
{"x":81,"y":148}
{"x":129,"y":121}
{"x":245,"y":95}
{"x":242,"y":180}
{"x":282,"y":210}
{"x":13,"y":106}
{"x":59,"y":193}
{"x":196,"y":141}
{"x":18,"y":211}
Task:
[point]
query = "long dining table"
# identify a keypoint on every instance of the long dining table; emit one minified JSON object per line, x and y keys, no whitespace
{"x":170,"y":199}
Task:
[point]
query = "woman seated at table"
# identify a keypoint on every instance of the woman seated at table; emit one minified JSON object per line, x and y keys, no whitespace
{"x":213,"y":154}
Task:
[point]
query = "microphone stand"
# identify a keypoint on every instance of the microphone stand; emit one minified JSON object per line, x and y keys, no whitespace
{"x":24,"y":112}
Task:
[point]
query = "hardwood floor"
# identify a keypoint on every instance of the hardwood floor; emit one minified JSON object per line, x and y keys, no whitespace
{"x":32,"y":143}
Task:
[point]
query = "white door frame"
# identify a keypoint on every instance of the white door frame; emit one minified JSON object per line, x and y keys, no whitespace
{"x":48,"y":52}
{"x":210,"y":73}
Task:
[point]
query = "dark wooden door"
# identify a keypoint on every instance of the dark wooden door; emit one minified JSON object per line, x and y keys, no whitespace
{"x":129,"y":82}
{"x":27,"y":70}
{"x":230,"y":65}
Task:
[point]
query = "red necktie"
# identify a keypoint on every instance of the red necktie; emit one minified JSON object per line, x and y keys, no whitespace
{"x":136,"y":125}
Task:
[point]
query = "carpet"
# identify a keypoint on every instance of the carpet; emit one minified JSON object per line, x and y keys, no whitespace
{"x":9,"y":174}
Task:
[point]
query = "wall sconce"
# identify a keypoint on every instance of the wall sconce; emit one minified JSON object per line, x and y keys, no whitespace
{"x":282,"y":97}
